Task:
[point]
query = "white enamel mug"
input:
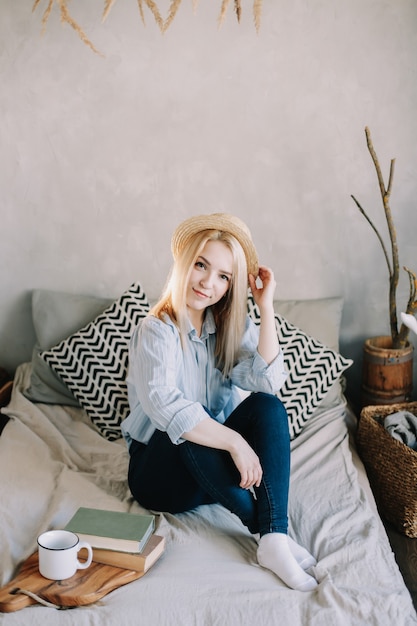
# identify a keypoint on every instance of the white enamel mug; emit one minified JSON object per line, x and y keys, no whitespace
{"x":58,"y":554}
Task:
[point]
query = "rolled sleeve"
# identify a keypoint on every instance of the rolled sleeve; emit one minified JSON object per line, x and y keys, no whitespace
{"x":253,"y":373}
{"x":184,"y":421}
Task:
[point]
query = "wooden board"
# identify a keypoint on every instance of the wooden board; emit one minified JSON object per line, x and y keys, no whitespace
{"x":85,"y":587}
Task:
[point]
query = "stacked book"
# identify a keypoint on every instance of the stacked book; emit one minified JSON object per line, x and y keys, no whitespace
{"x":126,"y":540}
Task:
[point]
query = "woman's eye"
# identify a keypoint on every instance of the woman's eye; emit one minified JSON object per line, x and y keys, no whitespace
{"x":225,"y":277}
{"x":200,"y":264}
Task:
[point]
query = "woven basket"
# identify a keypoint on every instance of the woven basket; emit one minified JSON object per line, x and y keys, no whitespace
{"x":391,"y":467}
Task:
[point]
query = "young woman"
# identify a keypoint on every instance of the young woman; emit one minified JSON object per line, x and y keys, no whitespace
{"x":191,"y":439}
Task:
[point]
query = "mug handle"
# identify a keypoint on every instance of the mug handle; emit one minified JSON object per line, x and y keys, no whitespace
{"x":87,"y":563}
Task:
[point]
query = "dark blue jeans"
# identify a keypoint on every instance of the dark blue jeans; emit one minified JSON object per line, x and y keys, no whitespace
{"x":177,"y":478}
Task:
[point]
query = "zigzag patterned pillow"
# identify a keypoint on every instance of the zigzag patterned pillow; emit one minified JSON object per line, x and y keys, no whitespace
{"x":93,"y":361}
{"x":312,"y":369}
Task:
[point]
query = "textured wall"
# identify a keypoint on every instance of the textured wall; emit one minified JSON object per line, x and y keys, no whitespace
{"x":101,"y":156}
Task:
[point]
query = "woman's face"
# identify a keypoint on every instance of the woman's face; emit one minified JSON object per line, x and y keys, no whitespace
{"x":210,"y":278}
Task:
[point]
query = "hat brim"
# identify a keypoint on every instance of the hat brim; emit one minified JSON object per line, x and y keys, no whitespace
{"x":221,"y":222}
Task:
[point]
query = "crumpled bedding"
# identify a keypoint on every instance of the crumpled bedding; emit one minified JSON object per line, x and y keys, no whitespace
{"x":52,"y":461}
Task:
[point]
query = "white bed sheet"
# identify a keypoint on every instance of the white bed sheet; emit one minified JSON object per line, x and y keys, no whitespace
{"x":52,"y":461}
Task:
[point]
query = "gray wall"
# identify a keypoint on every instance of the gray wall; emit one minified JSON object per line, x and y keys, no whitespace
{"x":101,"y":156}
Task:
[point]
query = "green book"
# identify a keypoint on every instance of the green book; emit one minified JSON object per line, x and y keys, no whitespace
{"x":112,"y":530}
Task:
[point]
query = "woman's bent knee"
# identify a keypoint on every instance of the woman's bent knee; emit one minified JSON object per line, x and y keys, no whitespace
{"x":267,"y":401}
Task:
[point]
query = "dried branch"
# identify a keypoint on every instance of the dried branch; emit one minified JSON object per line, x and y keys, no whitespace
{"x":411,"y":305}
{"x":398,"y":338}
{"x":376,"y":232}
{"x":391,"y":177}
{"x":375,"y":160}
{"x":412,"y":301}
{"x":395,"y":274}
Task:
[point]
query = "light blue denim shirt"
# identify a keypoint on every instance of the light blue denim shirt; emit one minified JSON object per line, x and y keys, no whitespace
{"x":169,"y":385}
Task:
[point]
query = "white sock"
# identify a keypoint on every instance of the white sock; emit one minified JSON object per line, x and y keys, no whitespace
{"x":274,"y":553}
{"x":302,"y":556}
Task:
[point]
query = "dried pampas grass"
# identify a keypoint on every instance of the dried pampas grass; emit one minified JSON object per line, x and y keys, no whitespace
{"x":257,"y":10}
{"x":65,"y":19}
{"x":175,"y":5}
{"x":107,"y":6}
{"x":153,"y":8}
{"x":223,"y":9}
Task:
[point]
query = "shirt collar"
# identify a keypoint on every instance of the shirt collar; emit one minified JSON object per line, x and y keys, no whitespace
{"x":209,"y":326}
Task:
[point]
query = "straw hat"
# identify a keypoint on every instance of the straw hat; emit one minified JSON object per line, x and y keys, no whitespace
{"x":216,"y":221}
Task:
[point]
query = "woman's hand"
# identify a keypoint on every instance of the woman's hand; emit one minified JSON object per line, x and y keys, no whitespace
{"x":268,"y":346}
{"x":263,"y":295}
{"x":210,"y":433}
{"x":247,"y":463}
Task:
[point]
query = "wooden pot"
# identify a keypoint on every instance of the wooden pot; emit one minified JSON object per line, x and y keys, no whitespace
{"x":387,"y":373}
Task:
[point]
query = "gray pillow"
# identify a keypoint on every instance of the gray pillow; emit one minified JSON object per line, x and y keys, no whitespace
{"x":313,"y":368}
{"x":57,"y":315}
{"x":318,"y":318}
{"x":321,"y":319}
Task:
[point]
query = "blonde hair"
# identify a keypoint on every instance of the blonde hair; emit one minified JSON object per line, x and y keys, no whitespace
{"x":229,"y":313}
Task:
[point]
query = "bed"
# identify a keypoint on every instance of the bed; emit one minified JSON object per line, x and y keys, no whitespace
{"x":61,"y":449}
